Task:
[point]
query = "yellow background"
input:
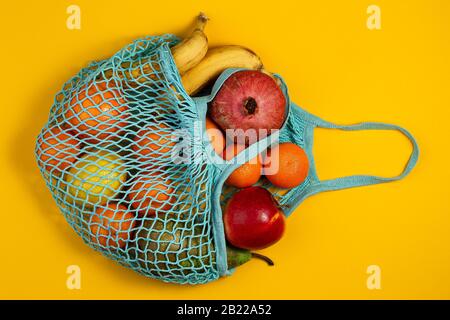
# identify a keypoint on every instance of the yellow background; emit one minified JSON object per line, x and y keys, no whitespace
{"x":334,"y":66}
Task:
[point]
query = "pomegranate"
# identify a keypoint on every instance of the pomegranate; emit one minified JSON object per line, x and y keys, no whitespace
{"x":253,"y":220}
{"x":249,"y":99}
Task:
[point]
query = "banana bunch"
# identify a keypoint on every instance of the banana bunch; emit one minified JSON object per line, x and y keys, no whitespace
{"x":190,"y":51}
{"x":199,"y":65}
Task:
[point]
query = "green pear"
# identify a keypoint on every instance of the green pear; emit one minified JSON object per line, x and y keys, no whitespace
{"x":172,"y":248}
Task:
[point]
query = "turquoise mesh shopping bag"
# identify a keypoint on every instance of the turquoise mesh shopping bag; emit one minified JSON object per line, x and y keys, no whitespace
{"x":113,"y":158}
{"x":124,"y":197}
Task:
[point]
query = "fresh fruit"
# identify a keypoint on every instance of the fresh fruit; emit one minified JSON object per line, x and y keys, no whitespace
{"x":186,"y":54}
{"x":215,"y":62}
{"x":286,"y":165}
{"x":245,"y":175}
{"x":189,"y":52}
{"x":270,"y":74}
{"x":153,"y":142}
{"x":57,"y":149}
{"x":253,"y":220}
{"x":215,"y":136}
{"x":95,"y":178}
{"x":97,"y":112}
{"x":237,"y":257}
{"x":151,"y":193}
{"x":191,"y":193}
{"x":171,"y":248}
{"x":251,"y":101}
{"x":133,"y":73}
{"x":112,"y":226}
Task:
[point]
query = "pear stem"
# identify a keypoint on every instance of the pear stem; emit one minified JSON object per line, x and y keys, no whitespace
{"x":264,"y":258}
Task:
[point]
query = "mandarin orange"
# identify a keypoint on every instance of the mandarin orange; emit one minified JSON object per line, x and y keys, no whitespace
{"x":153,"y":141}
{"x":97,"y":112}
{"x":215,"y":136}
{"x":245,"y":175}
{"x":151,"y":194}
{"x":57,"y":149}
{"x":112,"y":226}
{"x":287,"y":165}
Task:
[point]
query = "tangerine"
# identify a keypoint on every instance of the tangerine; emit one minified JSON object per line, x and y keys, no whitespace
{"x":215,"y":136}
{"x":97,"y":112}
{"x":245,"y":175}
{"x":57,"y":149}
{"x":112,"y":226}
{"x":287,"y":165}
{"x":151,"y":194}
{"x":154,"y":141}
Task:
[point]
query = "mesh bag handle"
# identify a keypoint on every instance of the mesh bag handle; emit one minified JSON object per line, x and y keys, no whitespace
{"x":314,"y":185}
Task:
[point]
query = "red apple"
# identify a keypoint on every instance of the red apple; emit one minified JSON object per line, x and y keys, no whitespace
{"x":253,"y":220}
{"x":249,"y":99}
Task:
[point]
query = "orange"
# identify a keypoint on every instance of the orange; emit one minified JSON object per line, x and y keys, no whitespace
{"x":154,"y":141}
{"x":112,"y":226}
{"x":97,"y":112}
{"x":215,"y":136}
{"x":245,"y":175}
{"x":151,"y":194}
{"x":287,"y":165}
{"x":57,"y":149}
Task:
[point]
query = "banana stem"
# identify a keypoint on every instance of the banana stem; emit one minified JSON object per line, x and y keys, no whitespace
{"x":202,"y":19}
{"x":264,"y":258}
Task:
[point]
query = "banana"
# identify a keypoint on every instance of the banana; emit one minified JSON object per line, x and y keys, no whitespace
{"x":191,"y":50}
{"x":270,"y":74}
{"x":215,"y":62}
{"x":186,"y":54}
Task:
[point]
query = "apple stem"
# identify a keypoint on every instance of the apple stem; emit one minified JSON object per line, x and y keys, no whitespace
{"x":250,"y":105}
{"x":264,"y":258}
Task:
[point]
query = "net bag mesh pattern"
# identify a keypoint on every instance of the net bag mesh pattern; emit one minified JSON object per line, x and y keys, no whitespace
{"x":105,"y":154}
